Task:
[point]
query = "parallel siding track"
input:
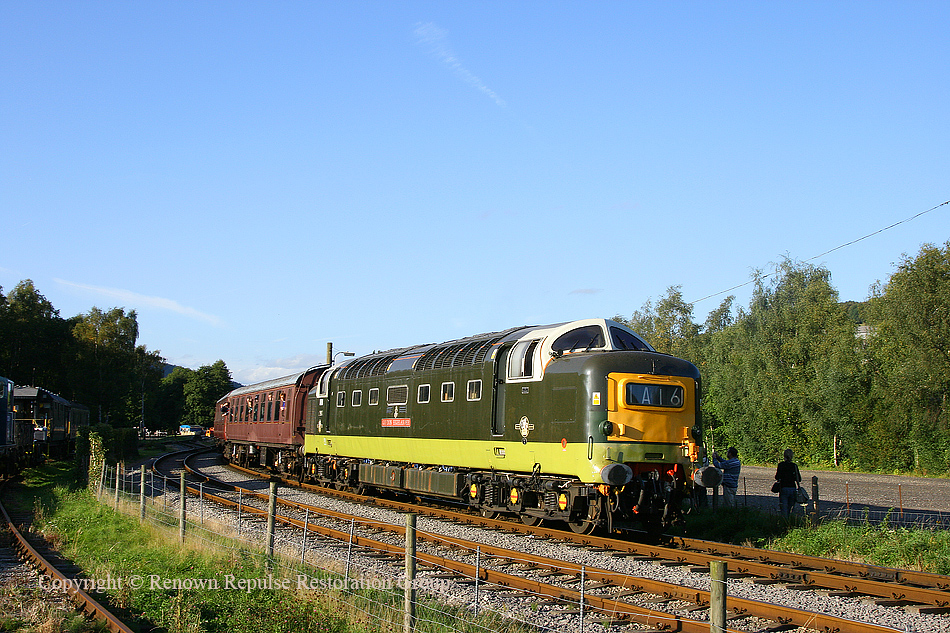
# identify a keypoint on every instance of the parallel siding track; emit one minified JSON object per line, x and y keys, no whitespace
{"x":85,"y":603}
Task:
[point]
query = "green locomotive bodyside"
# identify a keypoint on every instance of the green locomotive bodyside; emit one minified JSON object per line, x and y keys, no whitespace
{"x":511,"y":421}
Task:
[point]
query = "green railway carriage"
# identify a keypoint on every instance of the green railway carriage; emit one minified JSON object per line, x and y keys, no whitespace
{"x":579,"y":422}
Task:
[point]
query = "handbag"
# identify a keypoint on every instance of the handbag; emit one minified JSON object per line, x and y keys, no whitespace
{"x":802,"y":495}
{"x":777,"y":486}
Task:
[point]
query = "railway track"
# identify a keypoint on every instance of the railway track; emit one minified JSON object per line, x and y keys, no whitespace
{"x":921,"y":591}
{"x":615,"y":595}
{"x":59,"y":572}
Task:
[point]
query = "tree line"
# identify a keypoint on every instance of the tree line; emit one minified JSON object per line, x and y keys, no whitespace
{"x":864,"y":385}
{"x":93,"y":359}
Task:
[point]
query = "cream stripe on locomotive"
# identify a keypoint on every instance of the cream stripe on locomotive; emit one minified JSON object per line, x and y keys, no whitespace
{"x":581,"y":461}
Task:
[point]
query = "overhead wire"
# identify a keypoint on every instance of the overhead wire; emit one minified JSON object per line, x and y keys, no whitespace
{"x":855,"y":241}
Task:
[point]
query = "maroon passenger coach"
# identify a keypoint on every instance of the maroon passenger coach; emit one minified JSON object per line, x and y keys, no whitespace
{"x":263,"y":424}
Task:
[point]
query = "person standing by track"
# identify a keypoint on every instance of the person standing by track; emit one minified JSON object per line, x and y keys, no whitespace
{"x":789,"y":477}
{"x":730,"y":467}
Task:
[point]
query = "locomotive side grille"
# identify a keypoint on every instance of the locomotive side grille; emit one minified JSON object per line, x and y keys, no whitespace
{"x":382,"y":365}
{"x":466,"y":355}
{"x":427,"y":359}
{"x":352,"y":370}
{"x":447,"y":356}
{"x":457,"y":355}
{"x":365,"y":368}
{"x":484,"y":349}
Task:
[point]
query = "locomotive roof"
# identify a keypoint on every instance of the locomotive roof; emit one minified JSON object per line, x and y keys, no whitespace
{"x":470,"y":350}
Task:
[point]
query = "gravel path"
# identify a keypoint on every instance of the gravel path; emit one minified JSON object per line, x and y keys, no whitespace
{"x":911,"y":500}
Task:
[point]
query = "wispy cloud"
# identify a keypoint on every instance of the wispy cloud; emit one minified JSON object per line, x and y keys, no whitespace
{"x":585,"y":291}
{"x":437,"y":40}
{"x":276,"y":368}
{"x":135,"y":300}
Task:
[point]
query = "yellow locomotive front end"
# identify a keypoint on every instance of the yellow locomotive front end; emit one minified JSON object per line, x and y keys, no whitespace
{"x":646,"y":441}
{"x":652,"y":418}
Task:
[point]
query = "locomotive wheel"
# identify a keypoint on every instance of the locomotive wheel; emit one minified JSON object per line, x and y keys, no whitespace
{"x":488,"y":514}
{"x":529,"y":520}
{"x":582,"y":527}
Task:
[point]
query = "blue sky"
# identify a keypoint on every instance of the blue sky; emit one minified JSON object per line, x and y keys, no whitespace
{"x":258,"y":178}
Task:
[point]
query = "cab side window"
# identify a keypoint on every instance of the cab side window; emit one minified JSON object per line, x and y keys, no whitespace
{"x":521,"y":360}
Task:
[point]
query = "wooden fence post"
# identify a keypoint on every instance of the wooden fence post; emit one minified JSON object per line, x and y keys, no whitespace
{"x":718,"y":571}
{"x":409,"y":615}
{"x":181,"y":509}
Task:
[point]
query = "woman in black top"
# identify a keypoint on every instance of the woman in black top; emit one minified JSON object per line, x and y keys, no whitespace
{"x":789,"y":477}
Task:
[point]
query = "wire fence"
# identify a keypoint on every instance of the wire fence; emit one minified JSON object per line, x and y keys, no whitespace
{"x":353,"y":577}
{"x":350,"y":577}
{"x":861,"y":500}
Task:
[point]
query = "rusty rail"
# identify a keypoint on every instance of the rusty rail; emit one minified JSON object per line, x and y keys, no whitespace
{"x":909,"y":586}
{"x":84,"y":602}
{"x":606,"y":606}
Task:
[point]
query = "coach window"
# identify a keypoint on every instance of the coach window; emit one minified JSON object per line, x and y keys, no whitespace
{"x":474,"y":390}
{"x":341,"y":398}
{"x":270,"y":409}
{"x":521,"y":360}
{"x":423,"y":396}
{"x":373,"y":397}
{"x":448,"y":391}
{"x":357,"y":398}
{"x":283,"y":405}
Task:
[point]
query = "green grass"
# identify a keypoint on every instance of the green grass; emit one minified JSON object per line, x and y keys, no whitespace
{"x":904,"y":548}
{"x":922,"y":549}
{"x":110,"y":545}
{"x":107,"y":544}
